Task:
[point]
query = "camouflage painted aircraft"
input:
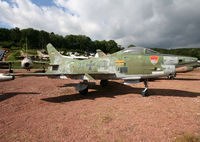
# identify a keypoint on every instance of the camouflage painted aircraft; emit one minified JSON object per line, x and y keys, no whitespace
{"x":131,"y":65}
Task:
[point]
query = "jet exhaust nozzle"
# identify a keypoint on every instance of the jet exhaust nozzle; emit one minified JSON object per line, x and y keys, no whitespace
{"x":26,"y":63}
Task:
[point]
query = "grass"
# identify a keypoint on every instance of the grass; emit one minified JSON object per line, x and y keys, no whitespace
{"x":30,"y":51}
{"x":188,"y":138}
{"x":12,"y":55}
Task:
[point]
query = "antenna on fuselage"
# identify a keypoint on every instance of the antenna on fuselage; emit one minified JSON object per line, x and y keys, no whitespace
{"x":26,"y":48}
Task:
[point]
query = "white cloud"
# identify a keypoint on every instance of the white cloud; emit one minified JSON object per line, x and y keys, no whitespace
{"x":149,"y":23}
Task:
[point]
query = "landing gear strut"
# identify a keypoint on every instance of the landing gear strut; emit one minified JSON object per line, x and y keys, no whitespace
{"x":43,"y":71}
{"x":145,"y":91}
{"x":10,"y":68}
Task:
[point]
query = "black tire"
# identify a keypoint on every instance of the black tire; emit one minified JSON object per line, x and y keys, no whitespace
{"x":84,"y":92}
{"x":145,"y":93}
{"x":171,"y":77}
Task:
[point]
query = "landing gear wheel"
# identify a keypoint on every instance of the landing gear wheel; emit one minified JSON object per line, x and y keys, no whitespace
{"x":43,"y":69}
{"x":10,"y":71}
{"x":104,"y":83}
{"x":145,"y":91}
{"x":171,"y":77}
{"x":84,"y":92}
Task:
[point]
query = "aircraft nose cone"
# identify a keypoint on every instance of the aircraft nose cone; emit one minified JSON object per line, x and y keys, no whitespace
{"x":195,"y":59}
{"x":191,"y":60}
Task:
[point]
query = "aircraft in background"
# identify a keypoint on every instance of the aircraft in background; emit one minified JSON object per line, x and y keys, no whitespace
{"x":26,"y":63}
{"x":76,"y":57}
{"x":131,"y":65}
{"x":42,"y":56}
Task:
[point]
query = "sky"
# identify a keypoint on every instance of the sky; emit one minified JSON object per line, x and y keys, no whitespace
{"x":148,"y":23}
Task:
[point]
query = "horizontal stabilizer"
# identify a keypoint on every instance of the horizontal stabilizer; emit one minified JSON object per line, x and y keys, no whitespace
{"x":88,"y":77}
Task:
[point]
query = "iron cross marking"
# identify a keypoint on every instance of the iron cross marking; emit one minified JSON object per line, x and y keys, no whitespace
{"x":90,"y":65}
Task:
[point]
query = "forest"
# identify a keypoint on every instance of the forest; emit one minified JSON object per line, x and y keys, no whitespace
{"x":75,"y":43}
{"x":39,"y":39}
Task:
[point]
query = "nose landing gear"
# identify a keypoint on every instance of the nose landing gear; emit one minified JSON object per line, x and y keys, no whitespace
{"x":145,"y":91}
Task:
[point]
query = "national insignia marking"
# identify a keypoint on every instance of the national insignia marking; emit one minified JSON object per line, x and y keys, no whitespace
{"x":154,"y":59}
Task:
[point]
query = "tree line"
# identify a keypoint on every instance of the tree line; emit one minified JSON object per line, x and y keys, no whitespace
{"x":39,"y":39}
{"x":76,"y":43}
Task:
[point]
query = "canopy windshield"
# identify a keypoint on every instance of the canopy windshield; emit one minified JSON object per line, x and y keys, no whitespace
{"x":139,"y":50}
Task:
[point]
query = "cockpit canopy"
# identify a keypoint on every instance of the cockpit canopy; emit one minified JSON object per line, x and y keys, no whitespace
{"x":139,"y":50}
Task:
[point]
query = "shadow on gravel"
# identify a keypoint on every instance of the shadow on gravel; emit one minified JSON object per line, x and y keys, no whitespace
{"x":185,"y":79}
{"x":115,"y":89}
{"x":6,"y":96}
{"x":69,"y":85}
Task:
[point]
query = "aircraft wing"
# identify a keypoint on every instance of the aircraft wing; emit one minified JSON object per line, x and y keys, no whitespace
{"x":7,"y":62}
{"x":32,"y":74}
{"x":76,"y":57}
{"x":18,"y":61}
{"x":66,"y":75}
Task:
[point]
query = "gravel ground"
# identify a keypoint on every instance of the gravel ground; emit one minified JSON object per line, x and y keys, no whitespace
{"x":41,"y":109}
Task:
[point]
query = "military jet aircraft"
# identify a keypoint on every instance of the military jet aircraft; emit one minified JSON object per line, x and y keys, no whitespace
{"x":131,"y":64}
{"x":42,"y":56}
{"x":27,"y":63}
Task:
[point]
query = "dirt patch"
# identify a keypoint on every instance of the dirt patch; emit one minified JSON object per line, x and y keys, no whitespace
{"x":42,"y":109}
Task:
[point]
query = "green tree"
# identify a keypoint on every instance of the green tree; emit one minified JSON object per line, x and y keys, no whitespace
{"x":15,"y":35}
{"x":32,"y":38}
{"x":131,"y":45}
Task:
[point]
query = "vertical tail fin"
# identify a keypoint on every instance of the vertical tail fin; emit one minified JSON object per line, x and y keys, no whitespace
{"x":99,"y":53}
{"x":54,"y":55}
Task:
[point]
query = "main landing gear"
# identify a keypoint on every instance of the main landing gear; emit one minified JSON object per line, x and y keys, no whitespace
{"x":82,"y":87}
{"x":145,"y":91}
{"x":84,"y":91}
{"x":10,"y":67}
{"x":172,"y":76}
